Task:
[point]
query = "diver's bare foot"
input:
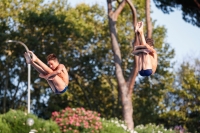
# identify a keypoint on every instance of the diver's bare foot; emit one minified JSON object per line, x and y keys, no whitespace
{"x":27,"y":57}
{"x":140,"y":27}
{"x":136,"y":27}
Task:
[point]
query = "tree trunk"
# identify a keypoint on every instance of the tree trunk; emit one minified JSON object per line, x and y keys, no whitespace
{"x":125,"y":87}
{"x":148,"y":19}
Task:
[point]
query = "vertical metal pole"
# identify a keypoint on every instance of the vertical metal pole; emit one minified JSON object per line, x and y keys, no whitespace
{"x":29,"y":72}
{"x":29,"y":91}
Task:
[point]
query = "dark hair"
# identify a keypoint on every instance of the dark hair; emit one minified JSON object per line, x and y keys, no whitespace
{"x":51,"y":57}
{"x":150,"y":41}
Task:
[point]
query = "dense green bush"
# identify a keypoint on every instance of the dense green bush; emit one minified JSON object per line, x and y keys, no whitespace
{"x":16,"y":122}
{"x":4,"y":128}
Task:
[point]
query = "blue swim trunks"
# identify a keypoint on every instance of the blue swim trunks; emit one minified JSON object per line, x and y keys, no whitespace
{"x":60,"y":92}
{"x":147,"y":72}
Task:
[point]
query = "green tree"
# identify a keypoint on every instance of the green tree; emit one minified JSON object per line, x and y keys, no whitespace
{"x":13,"y":68}
{"x":184,"y":100}
{"x":190,"y":9}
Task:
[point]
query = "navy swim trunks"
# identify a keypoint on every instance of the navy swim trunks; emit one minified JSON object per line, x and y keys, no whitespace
{"x":147,"y":72}
{"x":60,"y":92}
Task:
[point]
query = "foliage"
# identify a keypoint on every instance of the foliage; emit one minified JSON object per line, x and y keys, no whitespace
{"x":152,"y":128}
{"x":16,"y":121}
{"x":113,"y":125}
{"x":190,"y":9}
{"x":4,"y":127}
{"x":77,"y":120}
{"x":118,"y":126}
{"x":184,"y":101}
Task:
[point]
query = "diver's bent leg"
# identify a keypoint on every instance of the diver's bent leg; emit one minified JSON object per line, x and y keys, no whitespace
{"x":38,"y":68}
{"x":44,"y":66}
{"x":51,"y":85}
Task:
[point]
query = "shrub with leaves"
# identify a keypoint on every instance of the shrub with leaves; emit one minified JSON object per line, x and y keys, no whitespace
{"x":152,"y":128}
{"x":114,"y":126}
{"x":4,"y":128}
{"x":16,"y":122}
{"x":77,"y":120}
